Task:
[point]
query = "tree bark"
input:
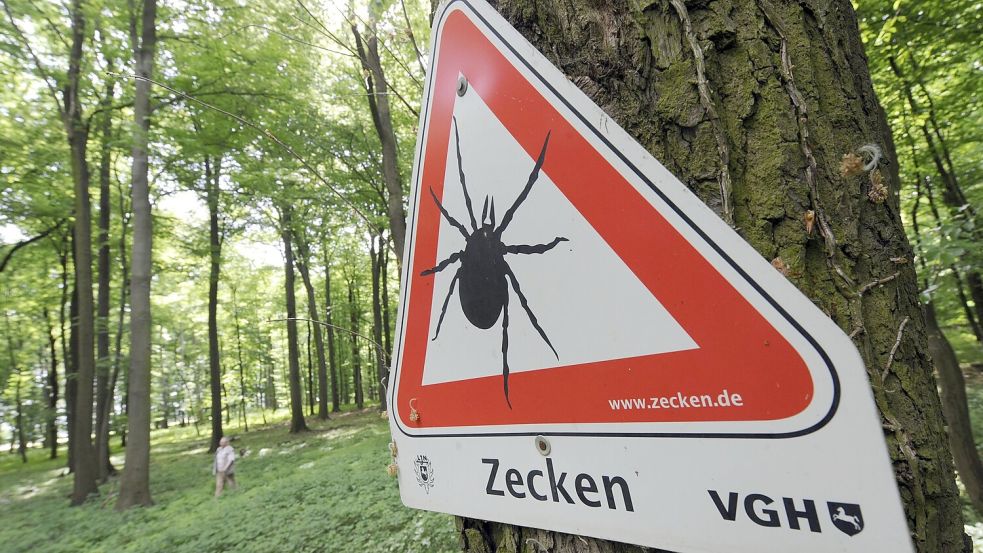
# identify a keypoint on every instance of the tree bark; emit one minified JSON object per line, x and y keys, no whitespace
{"x":303,"y":265}
{"x":71,"y":371}
{"x":121,"y":310}
{"x":791,"y":91}
{"x":15,"y":373}
{"x":386,"y":316}
{"x":19,"y":419}
{"x":335,"y":407}
{"x":134,"y":489}
{"x":66,"y":361}
{"x":84,"y":456}
{"x":377,"y":92}
{"x":356,"y":357}
{"x":51,"y":429}
{"x":242,"y":368}
{"x":297,"y":423}
{"x":310,"y":373}
{"x":103,"y":391}
{"x":382,"y":371}
{"x":956,"y":410}
{"x":214,"y":263}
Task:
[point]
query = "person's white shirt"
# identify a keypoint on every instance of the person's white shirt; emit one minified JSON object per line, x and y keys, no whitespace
{"x":224,"y":459}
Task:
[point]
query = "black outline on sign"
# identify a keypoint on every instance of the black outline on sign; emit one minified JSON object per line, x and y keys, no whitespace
{"x":542,"y":432}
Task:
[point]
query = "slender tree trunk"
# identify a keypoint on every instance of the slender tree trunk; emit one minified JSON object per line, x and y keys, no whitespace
{"x":382,"y":372}
{"x":103,"y":391}
{"x":51,"y":430}
{"x":377,"y":92}
{"x":956,"y":410}
{"x":974,"y":325}
{"x":310,"y":373}
{"x":227,"y":404}
{"x":975,"y":283}
{"x":14,"y":368}
{"x":303,"y":265}
{"x":65,"y":348}
{"x":121,"y":311}
{"x":335,"y":407}
{"x":71,"y":372}
{"x":215,"y":259}
{"x":297,"y":423}
{"x":134,"y":489}
{"x":86,"y":468}
{"x":19,"y":421}
{"x":791,"y":87}
{"x":242,"y":368}
{"x":386,"y":316}
{"x":356,"y":357}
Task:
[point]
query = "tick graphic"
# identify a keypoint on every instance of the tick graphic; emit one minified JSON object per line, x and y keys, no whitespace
{"x":484,"y":274}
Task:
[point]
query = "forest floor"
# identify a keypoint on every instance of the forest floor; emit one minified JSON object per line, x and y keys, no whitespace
{"x":322,"y":491}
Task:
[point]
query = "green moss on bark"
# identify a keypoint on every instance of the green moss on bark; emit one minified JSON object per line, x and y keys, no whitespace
{"x":791,"y":89}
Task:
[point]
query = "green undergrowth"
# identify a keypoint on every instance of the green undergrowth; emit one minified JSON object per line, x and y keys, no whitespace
{"x":321,"y":491}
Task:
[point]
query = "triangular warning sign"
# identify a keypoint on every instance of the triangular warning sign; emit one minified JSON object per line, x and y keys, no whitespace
{"x":626,"y":305}
{"x":584,"y":346}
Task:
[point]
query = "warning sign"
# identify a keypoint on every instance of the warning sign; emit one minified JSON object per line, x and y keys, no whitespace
{"x":581,"y":341}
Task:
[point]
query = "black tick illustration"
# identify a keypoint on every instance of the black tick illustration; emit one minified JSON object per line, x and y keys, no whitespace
{"x":484,"y":274}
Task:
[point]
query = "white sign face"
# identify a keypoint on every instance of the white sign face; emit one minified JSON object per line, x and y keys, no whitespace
{"x":584,"y":346}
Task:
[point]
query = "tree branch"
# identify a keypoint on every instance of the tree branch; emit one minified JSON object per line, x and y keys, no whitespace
{"x":43,"y":73}
{"x":22,"y":243}
{"x":268,"y":134}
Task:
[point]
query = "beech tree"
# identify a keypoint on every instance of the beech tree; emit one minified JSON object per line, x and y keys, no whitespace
{"x":134,"y":487}
{"x":760,"y":108}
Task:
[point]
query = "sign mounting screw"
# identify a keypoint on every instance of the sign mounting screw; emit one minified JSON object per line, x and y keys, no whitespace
{"x":543,"y":446}
{"x":462,"y":85}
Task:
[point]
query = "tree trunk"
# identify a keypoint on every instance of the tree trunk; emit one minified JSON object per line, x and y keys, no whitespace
{"x":767,"y":97}
{"x":297,"y":423}
{"x":19,"y":421}
{"x":303,"y":264}
{"x":356,"y":357}
{"x":71,"y":371}
{"x":335,"y":407}
{"x":242,"y":369}
{"x":14,"y":369}
{"x":51,"y":429}
{"x":215,"y":259}
{"x":84,"y":456}
{"x":310,"y":373}
{"x":65,"y":348}
{"x":956,"y":410}
{"x":103,"y":391}
{"x":974,"y":325}
{"x":134,"y":489}
{"x":386,"y":316}
{"x":121,"y":311}
{"x":377,"y":92}
{"x":382,"y":372}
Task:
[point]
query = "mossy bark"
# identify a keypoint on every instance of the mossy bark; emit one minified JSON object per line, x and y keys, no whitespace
{"x":752,"y":104}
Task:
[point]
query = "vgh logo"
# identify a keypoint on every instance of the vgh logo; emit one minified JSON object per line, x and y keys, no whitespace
{"x":767,"y":512}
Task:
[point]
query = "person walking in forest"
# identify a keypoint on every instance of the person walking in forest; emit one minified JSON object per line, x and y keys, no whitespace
{"x":224,"y":466}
